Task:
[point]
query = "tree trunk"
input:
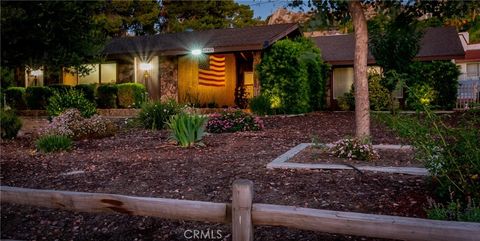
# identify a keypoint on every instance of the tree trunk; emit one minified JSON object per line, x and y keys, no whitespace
{"x":362,"y":104}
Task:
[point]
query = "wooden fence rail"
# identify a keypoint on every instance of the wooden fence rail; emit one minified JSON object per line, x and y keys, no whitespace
{"x":243,"y":214}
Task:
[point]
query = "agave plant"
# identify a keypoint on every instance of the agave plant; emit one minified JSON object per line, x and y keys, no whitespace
{"x":186,"y":129}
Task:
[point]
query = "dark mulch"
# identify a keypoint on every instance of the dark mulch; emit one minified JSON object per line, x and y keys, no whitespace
{"x":395,"y":158}
{"x":143,"y":163}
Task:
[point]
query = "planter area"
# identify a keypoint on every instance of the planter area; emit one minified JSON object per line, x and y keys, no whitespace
{"x":145,"y":163}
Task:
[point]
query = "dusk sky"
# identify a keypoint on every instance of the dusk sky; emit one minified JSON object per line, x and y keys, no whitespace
{"x":264,"y":8}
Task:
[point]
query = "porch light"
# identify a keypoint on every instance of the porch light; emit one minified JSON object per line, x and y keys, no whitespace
{"x":36,"y":72}
{"x":196,"y":51}
{"x":146,"y":66}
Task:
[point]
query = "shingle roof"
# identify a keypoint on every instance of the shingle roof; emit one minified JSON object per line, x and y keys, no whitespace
{"x":440,"y":43}
{"x":223,"y":40}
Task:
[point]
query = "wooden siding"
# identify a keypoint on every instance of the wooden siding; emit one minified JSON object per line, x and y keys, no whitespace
{"x":190,"y":91}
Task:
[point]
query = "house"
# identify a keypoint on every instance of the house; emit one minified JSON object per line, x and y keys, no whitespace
{"x":194,"y":66}
{"x":441,"y":43}
{"x":469,"y":81}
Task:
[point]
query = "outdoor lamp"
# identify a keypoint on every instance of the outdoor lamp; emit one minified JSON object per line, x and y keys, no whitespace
{"x":196,"y":51}
{"x":145,"y":66}
{"x":36,"y":73}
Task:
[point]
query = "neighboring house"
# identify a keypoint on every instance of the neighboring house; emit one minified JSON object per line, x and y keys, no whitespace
{"x":440,"y":43}
{"x":469,"y":81}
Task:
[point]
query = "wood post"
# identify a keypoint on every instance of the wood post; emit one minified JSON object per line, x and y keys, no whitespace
{"x":242,"y":226}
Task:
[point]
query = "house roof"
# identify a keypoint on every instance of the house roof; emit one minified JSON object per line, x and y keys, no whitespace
{"x":470,"y":56}
{"x":440,"y":43}
{"x":222,"y":40}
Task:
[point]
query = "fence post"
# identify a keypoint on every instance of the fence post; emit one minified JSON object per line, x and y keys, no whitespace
{"x":242,"y":227}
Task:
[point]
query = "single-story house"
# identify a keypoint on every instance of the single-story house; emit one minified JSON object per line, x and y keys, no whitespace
{"x":195,"y":66}
{"x":441,"y":43}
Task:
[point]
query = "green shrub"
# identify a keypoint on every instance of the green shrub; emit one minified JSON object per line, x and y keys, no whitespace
{"x":15,"y":97}
{"x":186,"y":129}
{"x":72,"y":124}
{"x":420,"y":95}
{"x":346,"y":101}
{"x":451,"y":155}
{"x":10,"y":124}
{"x":107,"y":96}
{"x":289,"y":74}
{"x":442,"y":76}
{"x":354,"y":148}
{"x":52,"y":143}
{"x":37,"y":97}
{"x":88,"y":91}
{"x":70,"y":99}
{"x":233,"y":121}
{"x":7,"y":77}
{"x":155,"y":114}
{"x":379,"y":96}
{"x":131,"y":95}
{"x":454,"y":211}
{"x":60,"y":87}
{"x":261,"y":105}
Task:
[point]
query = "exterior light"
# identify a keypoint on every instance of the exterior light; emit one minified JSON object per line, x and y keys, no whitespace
{"x":196,"y":51}
{"x":145,"y":66}
{"x":36,"y":72}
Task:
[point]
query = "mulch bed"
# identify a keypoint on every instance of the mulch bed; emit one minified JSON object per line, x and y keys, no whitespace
{"x":391,"y":157}
{"x":144,"y":163}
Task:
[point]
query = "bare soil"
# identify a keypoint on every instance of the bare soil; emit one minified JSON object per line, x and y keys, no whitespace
{"x":391,"y":157}
{"x":144,"y":163}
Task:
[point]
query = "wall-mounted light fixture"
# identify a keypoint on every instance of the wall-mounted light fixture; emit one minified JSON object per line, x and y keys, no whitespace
{"x":36,"y":73}
{"x":146,"y":66}
{"x":196,"y":52}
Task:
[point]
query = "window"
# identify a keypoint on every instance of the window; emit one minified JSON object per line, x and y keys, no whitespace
{"x":473,"y":70}
{"x":342,"y":81}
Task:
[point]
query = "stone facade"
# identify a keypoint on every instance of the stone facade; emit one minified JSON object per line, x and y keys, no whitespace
{"x":168,"y":76}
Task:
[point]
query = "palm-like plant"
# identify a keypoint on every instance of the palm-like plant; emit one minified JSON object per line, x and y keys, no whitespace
{"x":186,"y":129}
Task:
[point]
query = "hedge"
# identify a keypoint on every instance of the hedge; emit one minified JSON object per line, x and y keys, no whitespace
{"x":15,"y":98}
{"x":130,"y":95}
{"x":37,"y":97}
{"x":107,"y":96}
{"x":88,"y":91}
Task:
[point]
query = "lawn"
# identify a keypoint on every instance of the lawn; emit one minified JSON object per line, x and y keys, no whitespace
{"x":145,"y":163}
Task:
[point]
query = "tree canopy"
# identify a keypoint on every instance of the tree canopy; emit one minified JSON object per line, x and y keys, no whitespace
{"x":179,"y":16}
{"x":49,"y":34}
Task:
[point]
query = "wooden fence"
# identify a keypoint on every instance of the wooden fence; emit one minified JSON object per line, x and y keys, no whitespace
{"x":243,"y":214}
{"x":468,"y":94}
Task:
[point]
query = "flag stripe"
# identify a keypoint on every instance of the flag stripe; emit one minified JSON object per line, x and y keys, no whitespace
{"x":212,"y":73}
{"x":209,"y":74}
{"x":214,"y":85}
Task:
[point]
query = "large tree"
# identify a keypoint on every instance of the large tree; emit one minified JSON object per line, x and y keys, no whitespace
{"x":179,"y":16}
{"x":342,"y":11}
{"x":49,"y":34}
{"x":134,"y":17}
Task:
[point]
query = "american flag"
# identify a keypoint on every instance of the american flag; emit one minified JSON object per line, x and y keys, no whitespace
{"x":211,"y":71}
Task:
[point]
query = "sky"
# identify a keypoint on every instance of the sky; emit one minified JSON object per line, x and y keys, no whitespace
{"x":264,"y":8}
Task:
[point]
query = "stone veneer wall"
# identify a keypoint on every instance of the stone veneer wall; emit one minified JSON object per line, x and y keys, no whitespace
{"x":168,"y":75}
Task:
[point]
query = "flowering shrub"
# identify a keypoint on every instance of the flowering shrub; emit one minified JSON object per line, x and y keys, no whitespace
{"x":233,"y":121}
{"x":71,"y":124}
{"x":354,"y":149}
